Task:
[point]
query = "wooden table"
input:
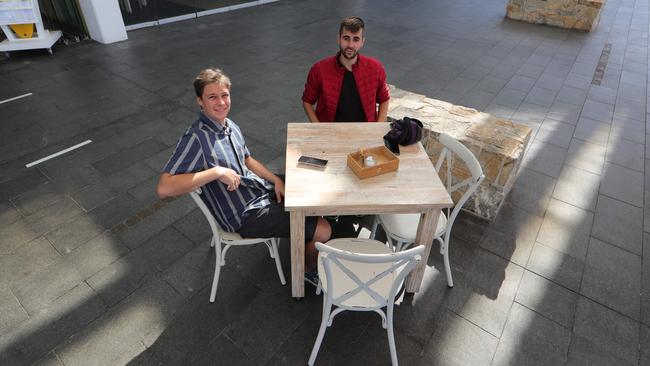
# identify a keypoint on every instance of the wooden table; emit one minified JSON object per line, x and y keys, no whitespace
{"x":336,"y":190}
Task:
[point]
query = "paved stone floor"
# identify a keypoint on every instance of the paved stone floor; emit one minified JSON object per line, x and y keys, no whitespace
{"x":94,"y":270}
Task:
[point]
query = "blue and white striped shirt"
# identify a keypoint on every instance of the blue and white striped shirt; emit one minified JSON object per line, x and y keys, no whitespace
{"x":207,"y":144}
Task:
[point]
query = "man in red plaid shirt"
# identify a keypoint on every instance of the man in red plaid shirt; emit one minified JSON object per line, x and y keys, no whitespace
{"x":347,"y":87}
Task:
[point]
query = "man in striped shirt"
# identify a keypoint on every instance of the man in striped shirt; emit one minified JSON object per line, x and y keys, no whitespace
{"x":243,"y":195}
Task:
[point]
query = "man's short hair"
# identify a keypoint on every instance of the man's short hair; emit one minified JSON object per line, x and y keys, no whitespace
{"x":352,"y":24}
{"x":208,"y":76}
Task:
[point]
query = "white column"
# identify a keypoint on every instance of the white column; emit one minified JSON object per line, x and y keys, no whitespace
{"x":103,"y":20}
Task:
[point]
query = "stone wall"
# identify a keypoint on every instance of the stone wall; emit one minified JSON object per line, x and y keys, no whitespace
{"x":498,"y":144}
{"x":574,"y":14}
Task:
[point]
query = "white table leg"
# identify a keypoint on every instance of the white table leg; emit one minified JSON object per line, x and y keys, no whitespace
{"x":297,"y":253}
{"x":425,"y":235}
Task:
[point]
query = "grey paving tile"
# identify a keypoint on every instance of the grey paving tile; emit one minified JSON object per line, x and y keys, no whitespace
{"x":572,"y":95}
{"x":531,"y":70}
{"x":532,"y":191}
{"x":602,"y":333}
{"x":618,"y":223}
{"x":626,"y":153}
{"x":512,"y":234}
{"x":223,"y":349}
{"x":540,"y":96}
{"x":510,"y":97}
{"x":469,"y":344}
{"x":14,"y":235}
{"x":558,"y":69}
{"x":632,"y":92}
{"x":114,"y":211}
{"x":49,"y":360}
{"x":125,"y":158}
{"x":121,"y":278}
{"x":564,"y":112}
{"x":477,"y":99}
{"x":38,"y":198}
{"x":577,"y":187}
{"x":566,"y":228}
{"x":53,"y":216}
{"x":598,"y":111}
{"x":646,"y":212}
{"x":8,"y":214}
{"x":545,"y":158}
{"x":73,"y":233}
{"x":577,"y":81}
{"x":623,"y":184}
{"x":194,"y":226}
{"x":556,"y":266}
{"x":26,"y":260}
{"x":491,"y":84}
{"x":612,"y":278}
{"x":124,"y":324}
{"x":193,"y":272}
{"x":500,"y":111}
{"x":592,"y":131}
{"x":529,"y":338}
{"x":153,"y":222}
{"x":628,"y":129}
{"x":530,"y":114}
{"x":65,"y":316}
{"x":601,"y":94}
{"x":550,"y":82}
{"x":547,"y":298}
{"x":180,"y":339}
{"x":632,"y":109}
{"x":128,"y":178}
{"x":11,"y":312}
{"x":93,"y":195}
{"x":586,"y":156}
{"x":520,"y":82}
{"x":27,"y":179}
{"x":645,"y":345}
{"x":273,"y":330}
{"x":555,"y":132}
{"x":484,"y":293}
{"x":645,"y":282}
{"x":461,"y":85}
{"x":95,"y":255}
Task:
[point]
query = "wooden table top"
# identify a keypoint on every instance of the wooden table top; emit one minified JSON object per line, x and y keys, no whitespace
{"x":414,"y":187}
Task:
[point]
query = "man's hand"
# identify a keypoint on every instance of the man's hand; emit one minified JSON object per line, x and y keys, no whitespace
{"x":228,"y":177}
{"x":279,"y":189}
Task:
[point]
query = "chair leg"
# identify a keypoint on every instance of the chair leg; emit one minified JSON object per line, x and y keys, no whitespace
{"x":391,"y":336}
{"x":327,"y":307}
{"x":217,"y":271}
{"x":373,"y":231}
{"x":444,"y":245}
{"x":276,"y":256}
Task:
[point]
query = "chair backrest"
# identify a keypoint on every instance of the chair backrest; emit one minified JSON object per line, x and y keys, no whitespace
{"x":452,"y":149}
{"x":369,"y":281}
{"x":216,"y":230}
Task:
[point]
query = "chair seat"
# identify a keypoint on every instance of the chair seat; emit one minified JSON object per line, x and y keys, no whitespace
{"x":227,"y":235}
{"x":405,"y":226}
{"x":365,"y":271}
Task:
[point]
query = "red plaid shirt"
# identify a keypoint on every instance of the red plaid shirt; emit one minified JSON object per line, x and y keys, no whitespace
{"x":325,"y":79}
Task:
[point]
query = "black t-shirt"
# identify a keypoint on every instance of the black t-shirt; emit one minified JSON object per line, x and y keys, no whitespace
{"x":349,"y":108}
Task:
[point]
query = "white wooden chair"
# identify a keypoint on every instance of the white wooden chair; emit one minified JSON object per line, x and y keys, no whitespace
{"x":401,"y":229}
{"x":362,"y":275}
{"x":229,"y":239}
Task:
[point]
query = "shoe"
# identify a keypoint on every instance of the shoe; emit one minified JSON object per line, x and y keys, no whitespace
{"x":312,"y":278}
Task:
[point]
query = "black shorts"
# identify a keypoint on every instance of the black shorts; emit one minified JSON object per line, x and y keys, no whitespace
{"x":273,"y":221}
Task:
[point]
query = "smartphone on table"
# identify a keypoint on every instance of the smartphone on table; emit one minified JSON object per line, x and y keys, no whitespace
{"x":311,"y":161}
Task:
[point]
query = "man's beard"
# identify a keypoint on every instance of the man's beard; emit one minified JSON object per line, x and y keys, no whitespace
{"x":348,"y":57}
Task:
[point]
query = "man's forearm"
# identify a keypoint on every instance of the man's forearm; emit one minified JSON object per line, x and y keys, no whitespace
{"x":310,"y":112}
{"x":176,"y":185}
{"x":382,"y":113}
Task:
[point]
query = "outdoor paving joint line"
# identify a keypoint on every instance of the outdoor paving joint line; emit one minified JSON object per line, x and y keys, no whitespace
{"x":15,"y":98}
{"x":29,"y":165}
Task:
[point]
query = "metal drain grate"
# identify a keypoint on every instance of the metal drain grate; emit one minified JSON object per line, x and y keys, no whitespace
{"x":602,"y":63}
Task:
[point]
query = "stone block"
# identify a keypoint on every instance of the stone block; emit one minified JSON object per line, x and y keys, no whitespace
{"x":573,"y":14}
{"x":498,"y":144}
